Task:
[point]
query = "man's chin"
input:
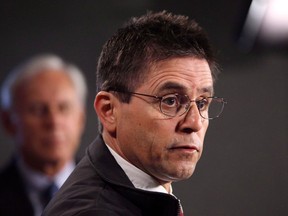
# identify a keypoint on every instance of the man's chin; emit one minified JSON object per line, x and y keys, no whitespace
{"x":54,"y":159}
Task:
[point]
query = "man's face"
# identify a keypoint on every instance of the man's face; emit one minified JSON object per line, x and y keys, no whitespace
{"x":48,"y":118}
{"x":167,"y":148}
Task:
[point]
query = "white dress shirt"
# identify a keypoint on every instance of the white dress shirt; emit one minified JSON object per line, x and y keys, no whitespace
{"x":36,"y":182}
{"x":139,"y":179}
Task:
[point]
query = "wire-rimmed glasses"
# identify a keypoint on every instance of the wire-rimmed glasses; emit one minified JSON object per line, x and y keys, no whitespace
{"x":176,"y":104}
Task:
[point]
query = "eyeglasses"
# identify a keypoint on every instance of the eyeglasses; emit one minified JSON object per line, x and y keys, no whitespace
{"x":176,"y":104}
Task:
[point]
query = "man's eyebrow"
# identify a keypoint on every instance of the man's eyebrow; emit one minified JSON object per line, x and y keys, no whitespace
{"x":171,"y":85}
{"x":180,"y":87}
{"x":208,"y":89}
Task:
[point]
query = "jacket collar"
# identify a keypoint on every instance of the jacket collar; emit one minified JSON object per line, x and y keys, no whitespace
{"x":106,"y":166}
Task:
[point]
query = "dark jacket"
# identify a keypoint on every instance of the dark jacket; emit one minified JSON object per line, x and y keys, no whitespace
{"x":13,"y":197}
{"x":99,"y":187}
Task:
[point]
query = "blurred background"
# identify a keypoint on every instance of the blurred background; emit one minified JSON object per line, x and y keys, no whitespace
{"x":244,"y":168}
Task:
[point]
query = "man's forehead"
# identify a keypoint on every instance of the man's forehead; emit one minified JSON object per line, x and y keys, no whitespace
{"x":178,"y":64}
{"x":182,"y":74}
{"x":180,"y":87}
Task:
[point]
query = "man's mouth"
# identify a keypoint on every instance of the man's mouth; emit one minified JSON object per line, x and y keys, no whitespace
{"x":190,"y":148}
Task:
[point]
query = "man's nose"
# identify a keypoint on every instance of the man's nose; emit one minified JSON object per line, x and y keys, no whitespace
{"x":192,"y":121}
{"x":52,"y":118}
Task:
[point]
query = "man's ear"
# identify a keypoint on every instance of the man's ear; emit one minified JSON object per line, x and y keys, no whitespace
{"x":7,"y":122}
{"x":104,"y":106}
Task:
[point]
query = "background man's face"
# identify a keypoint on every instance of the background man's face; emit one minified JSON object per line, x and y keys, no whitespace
{"x":48,"y":118}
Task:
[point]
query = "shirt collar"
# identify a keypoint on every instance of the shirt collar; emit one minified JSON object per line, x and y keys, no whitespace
{"x":139,"y":179}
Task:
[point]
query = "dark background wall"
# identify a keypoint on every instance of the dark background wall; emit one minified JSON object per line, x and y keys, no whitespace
{"x":244,"y":168}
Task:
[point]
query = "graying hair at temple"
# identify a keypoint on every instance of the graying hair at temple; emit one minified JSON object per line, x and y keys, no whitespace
{"x":36,"y":65}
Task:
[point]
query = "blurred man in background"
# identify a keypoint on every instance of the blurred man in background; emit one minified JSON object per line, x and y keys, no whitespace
{"x":43,"y":109}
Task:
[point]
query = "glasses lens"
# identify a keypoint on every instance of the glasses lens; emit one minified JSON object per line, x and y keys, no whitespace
{"x":174,"y":104}
{"x":169,"y":105}
{"x":215,"y":108}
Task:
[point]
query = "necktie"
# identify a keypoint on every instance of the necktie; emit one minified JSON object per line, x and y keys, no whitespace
{"x":48,"y":193}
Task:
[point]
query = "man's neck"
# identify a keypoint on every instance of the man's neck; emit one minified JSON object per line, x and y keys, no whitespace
{"x":139,"y":178}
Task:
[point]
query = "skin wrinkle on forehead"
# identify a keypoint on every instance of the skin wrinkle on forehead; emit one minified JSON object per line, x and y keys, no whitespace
{"x":179,"y":87}
{"x":198,"y":71}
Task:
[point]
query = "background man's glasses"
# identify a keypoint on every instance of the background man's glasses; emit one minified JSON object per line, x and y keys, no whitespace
{"x":176,"y":105}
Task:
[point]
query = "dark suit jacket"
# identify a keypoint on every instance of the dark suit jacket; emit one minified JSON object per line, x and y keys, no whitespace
{"x":13,"y":197}
{"x":98,"y":186}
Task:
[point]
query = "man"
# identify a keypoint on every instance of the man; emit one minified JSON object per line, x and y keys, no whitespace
{"x":43,"y":109}
{"x":156,"y":84}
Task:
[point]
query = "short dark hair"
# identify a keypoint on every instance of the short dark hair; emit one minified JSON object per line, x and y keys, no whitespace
{"x":146,"y":40}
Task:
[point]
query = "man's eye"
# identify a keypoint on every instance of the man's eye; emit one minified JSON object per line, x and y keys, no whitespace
{"x":37,"y":110}
{"x":202,"y":104}
{"x":64,"y":107}
{"x":170,"y":100}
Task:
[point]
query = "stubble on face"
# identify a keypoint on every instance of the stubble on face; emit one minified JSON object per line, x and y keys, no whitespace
{"x":164,"y":147}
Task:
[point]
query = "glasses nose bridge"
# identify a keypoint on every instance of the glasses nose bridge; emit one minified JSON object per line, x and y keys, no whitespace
{"x":195,"y":114}
{"x":190,"y":104}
